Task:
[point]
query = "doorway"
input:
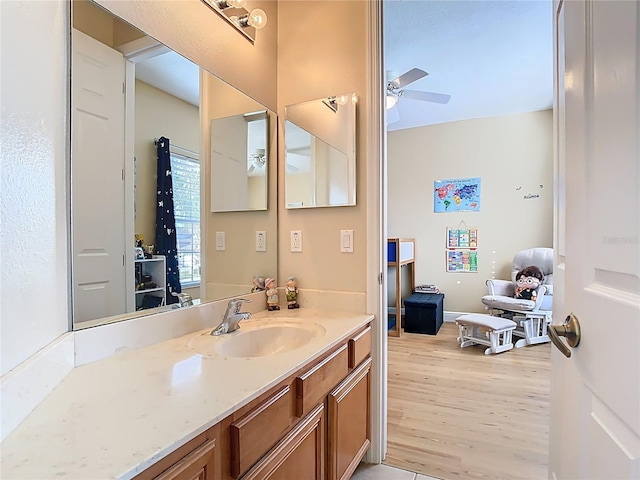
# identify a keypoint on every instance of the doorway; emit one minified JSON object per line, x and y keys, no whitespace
{"x":516,"y":178}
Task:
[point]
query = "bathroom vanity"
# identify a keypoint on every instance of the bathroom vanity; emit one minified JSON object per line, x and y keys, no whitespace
{"x":286,"y":396}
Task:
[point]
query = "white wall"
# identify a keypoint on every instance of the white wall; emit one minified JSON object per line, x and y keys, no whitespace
{"x":34,"y":294}
{"x":513,"y":156}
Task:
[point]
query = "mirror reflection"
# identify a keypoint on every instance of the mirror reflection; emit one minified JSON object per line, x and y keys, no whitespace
{"x":239,"y":161}
{"x":320,"y":152}
{"x":135,"y":125}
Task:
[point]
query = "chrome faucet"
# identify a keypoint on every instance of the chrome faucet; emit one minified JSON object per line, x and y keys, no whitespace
{"x":232,"y":317}
{"x":184,"y":300}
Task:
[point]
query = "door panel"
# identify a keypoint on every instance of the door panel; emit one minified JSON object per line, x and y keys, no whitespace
{"x":595,"y":414}
{"x":97,"y":188}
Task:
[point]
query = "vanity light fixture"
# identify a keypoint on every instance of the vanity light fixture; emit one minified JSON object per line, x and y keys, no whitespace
{"x":332,"y":103}
{"x":234,"y":12}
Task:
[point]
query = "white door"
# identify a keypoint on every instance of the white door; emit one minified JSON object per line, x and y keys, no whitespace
{"x":595,"y":394}
{"x":97,"y":184}
{"x":229,"y":164}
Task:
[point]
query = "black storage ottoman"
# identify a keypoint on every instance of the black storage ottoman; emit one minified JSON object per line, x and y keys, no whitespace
{"x":423,"y":313}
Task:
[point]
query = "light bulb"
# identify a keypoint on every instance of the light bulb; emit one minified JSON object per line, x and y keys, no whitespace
{"x":341,"y":99}
{"x":237,"y":3}
{"x":391,"y":101}
{"x":257,"y":18}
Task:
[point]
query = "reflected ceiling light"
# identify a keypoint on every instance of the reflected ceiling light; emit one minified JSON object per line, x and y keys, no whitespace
{"x":234,"y":12}
{"x":391,"y":101}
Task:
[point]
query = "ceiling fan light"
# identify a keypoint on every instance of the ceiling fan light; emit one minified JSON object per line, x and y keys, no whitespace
{"x":391,"y":101}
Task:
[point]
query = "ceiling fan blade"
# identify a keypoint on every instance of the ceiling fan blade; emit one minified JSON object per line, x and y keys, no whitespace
{"x":408,"y":77}
{"x":426,"y":96}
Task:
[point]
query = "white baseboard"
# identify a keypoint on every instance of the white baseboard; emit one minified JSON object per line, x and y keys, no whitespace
{"x":451,"y":316}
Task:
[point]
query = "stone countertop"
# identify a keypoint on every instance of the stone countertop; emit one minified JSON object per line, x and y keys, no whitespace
{"x":113,"y":418}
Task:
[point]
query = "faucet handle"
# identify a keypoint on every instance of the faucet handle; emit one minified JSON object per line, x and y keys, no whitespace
{"x":236,"y":304}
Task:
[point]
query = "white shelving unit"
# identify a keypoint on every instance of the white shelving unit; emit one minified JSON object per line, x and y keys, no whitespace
{"x":157,"y":268}
{"x":401,"y":252}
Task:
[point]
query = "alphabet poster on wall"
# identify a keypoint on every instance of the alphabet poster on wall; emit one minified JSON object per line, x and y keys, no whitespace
{"x":462,"y":261}
{"x":462,"y":237}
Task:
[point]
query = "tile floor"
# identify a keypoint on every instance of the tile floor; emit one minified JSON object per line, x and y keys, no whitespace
{"x":367,"y":471}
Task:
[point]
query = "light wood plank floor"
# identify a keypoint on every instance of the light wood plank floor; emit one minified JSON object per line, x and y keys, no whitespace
{"x":455,"y":413}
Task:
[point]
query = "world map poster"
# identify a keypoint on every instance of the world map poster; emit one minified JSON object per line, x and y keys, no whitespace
{"x":456,"y":195}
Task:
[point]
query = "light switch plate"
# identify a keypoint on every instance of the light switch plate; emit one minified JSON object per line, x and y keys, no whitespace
{"x":296,"y":240}
{"x":261,"y":241}
{"x":220,"y":241}
{"x":346,"y":241}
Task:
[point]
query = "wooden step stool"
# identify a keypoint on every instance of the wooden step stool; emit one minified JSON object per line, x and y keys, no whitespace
{"x":495,"y":332}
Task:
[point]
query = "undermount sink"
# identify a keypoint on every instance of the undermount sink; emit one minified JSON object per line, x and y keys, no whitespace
{"x":258,"y":340}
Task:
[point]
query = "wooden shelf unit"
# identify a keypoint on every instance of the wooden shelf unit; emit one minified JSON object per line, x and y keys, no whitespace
{"x":401,"y":252}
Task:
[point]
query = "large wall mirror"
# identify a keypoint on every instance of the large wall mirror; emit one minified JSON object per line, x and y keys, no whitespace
{"x":135,"y":105}
{"x":320,"y":152}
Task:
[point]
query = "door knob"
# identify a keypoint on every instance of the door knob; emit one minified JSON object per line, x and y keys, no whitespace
{"x":570,"y":330}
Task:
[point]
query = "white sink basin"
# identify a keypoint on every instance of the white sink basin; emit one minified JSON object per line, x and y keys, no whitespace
{"x":258,"y":340}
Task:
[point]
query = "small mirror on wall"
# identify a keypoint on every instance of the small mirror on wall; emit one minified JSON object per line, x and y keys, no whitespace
{"x":320,"y":152}
{"x":239,"y":162}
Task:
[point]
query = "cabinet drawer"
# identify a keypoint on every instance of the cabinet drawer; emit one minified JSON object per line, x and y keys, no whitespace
{"x":359,"y":347}
{"x":300,"y":454}
{"x":313,"y":385}
{"x":199,"y":464}
{"x":256,"y":432}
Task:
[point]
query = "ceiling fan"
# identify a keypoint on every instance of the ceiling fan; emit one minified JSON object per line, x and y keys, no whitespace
{"x":395,"y":90}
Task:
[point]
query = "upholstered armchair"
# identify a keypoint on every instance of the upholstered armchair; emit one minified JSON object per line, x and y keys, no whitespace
{"x":532,"y":316}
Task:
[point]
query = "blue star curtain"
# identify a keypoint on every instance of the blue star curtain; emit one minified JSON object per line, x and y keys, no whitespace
{"x":166,"y":243}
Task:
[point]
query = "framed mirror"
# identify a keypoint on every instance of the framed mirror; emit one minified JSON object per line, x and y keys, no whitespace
{"x":320,"y":152}
{"x":133,"y":97}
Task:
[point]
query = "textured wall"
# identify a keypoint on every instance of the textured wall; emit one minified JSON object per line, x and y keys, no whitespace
{"x":33,"y":226}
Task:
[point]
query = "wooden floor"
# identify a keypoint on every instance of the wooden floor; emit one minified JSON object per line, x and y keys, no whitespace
{"x":455,"y":413}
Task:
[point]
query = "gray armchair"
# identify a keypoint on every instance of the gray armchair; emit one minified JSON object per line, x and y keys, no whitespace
{"x":533,"y":317}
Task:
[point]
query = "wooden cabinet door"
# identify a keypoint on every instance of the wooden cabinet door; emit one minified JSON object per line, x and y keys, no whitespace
{"x":299,"y":455}
{"x":349,"y":407}
{"x":198,"y":465}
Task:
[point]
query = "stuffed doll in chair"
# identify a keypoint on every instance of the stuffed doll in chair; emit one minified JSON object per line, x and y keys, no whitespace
{"x":527,"y":282}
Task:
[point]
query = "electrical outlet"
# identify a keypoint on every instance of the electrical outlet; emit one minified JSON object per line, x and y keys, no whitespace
{"x":296,"y":240}
{"x":346,"y":241}
{"x":261,"y":241}
{"x":220,"y":241}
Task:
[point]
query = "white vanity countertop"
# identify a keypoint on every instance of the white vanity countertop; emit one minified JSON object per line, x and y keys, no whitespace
{"x":115,"y":417}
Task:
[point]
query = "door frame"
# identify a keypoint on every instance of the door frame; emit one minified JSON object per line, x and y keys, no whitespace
{"x":376,"y":180}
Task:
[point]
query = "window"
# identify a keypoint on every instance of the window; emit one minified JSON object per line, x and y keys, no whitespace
{"x":185,"y":173}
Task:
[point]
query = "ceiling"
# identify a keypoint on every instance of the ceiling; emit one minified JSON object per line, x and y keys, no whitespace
{"x":172,"y":73}
{"x":492,"y":57}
